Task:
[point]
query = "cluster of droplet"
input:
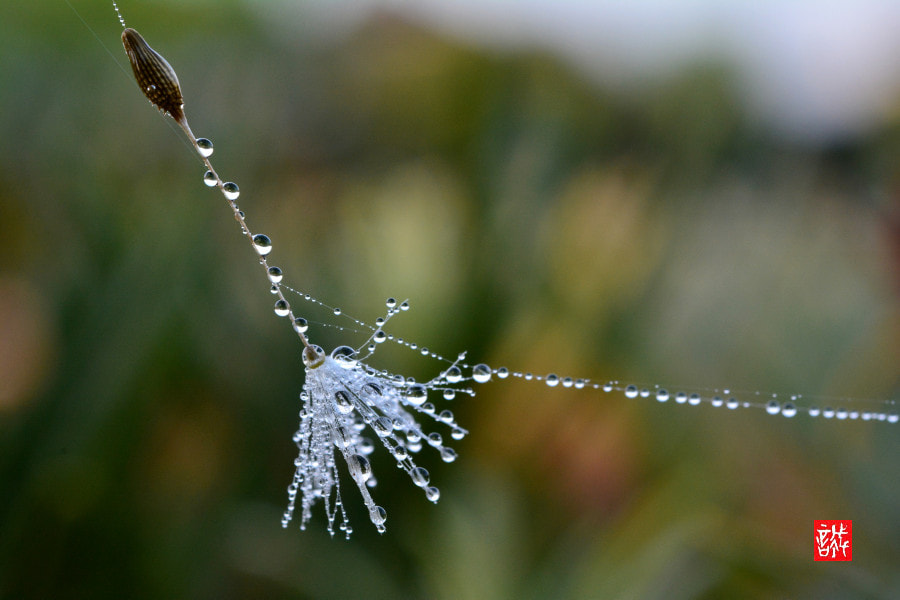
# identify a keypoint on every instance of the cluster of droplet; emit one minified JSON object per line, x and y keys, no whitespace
{"x":343,"y":400}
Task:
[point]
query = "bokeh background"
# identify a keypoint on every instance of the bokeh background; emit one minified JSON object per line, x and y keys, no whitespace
{"x":687,"y":193}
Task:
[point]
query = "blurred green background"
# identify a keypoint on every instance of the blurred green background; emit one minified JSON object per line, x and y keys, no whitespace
{"x":655,"y":231}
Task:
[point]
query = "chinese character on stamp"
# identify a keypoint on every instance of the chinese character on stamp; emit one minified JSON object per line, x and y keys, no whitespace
{"x":833,"y":540}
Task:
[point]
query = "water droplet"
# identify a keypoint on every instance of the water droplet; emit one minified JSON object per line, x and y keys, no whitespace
{"x":379,"y":336}
{"x":337,"y":312}
{"x":662,"y":395}
{"x":345,"y":356}
{"x":607,"y":387}
{"x":732,"y":403}
{"x":551,"y":380}
{"x":383,"y":426}
{"x":365,"y":445}
{"x":391,"y":302}
{"x":645,"y":393}
{"x":828,"y":412}
{"x":481,"y":373}
{"x":716,"y":401}
{"x":789,"y":410}
{"x":814,"y":411}
{"x":404,"y":306}
{"x":204,"y":147}
{"x":313,"y":356}
{"x":301,"y":325}
{"x":416,"y":394}
{"x":502,"y":372}
{"x":210,"y":179}
{"x":449,"y":394}
{"x":568,"y":382}
{"x":435,"y":439}
{"x":773,"y":407}
{"x":262,"y":244}
{"x":893,"y":417}
{"x":342,"y":401}
{"x":680,"y":397}
{"x":363,"y":466}
{"x":377,"y":515}
{"x":432,"y":493}
{"x":275,"y":275}
{"x":446,"y":416}
{"x":400,"y":452}
{"x":231,"y":190}
{"x":841,"y":413}
{"x":448,"y":455}
{"x":694,"y":399}
{"x":453,"y":374}
{"x":458,"y":434}
{"x":420,"y":476}
{"x":631,"y":392}
{"x":282,"y":308}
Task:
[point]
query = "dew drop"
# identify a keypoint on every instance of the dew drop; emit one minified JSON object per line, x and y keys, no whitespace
{"x":231,"y":190}
{"x":416,"y":394}
{"x":694,"y":399}
{"x":432,"y":493}
{"x":345,"y":356}
{"x":449,"y":394}
{"x":716,"y":401}
{"x":607,"y":387}
{"x":275,"y":274}
{"x":631,"y":392}
{"x":458,"y":434}
{"x":342,"y":401}
{"x":378,"y":516}
{"x":732,"y":403}
{"x":301,"y":325}
{"x":453,"y":374}
{"x":365,"y":468}
{"x":204,"y":147}
{"x":446,"y":416}
{"x":420,"y":476}
{"x":262,"y":244}
{"x":337,"y":312}
{"x":773,"y":407}
{"x":551,"y":380}
{"x":282,"y":308}
{"x":383,"y":426}
{"x":391,"y":302}
{"x":662,"y":395}
{"x":828,"y":412}
{"x":210,"y":179}
{"x":379,"y":336}
{"x":502,"y":372}
{"x":481,"y":373}
{"x":680,"y":397}
{"x":789,"y":410}
{"x":400,"y":452}
{"x":404,"y":306}
{"x":448,"y":455}
{"x":435,"y":439}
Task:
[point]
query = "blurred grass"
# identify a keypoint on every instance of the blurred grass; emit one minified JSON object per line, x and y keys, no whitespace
{"x":148,"y":395}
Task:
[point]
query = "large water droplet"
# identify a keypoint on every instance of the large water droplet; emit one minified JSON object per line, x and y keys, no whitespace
{"x":416,"y":394}
{"x":282,"y":308}
{"x":631,"y":391}
{"x":262,"y":244}
{"x":379,"y":336}
{"x":420,"y":476}
{"x":204,"y":147}
{"x":345,"y":356}
{"x":210,"y":179}
{"x":313,"y":356}
{"x":390,"y":302}
{"x":448,"y":455}
{"x":301,"y":325}
{"x":662,"y":395}
{"x":383,"y":426}
{"x":552,"y":380}
{"x":231,"y":190}
{"x":453,"y":374}
{"x":362,"y":463}
{"x":275,"y":275}
{"x":773,"y":407}
{"x":481,"y":373}
{"x":378,"y":516}
{"x":342,"y":401}
{"x":432,"y":493}
{"x":789,"y":410}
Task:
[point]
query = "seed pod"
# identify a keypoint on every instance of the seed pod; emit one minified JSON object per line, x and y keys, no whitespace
{"x":154,"y":75}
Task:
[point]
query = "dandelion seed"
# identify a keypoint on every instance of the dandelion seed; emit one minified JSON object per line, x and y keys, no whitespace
{"x":343,"y":399}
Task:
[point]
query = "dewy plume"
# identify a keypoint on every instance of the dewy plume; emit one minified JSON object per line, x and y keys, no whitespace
{"x":344,"y":398}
